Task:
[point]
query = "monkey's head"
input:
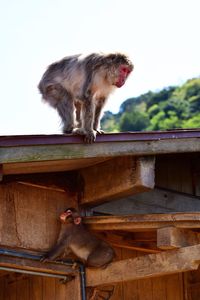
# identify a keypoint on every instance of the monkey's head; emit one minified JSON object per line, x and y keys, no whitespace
{"x":119,"y":68}
{"x":70,"y":215}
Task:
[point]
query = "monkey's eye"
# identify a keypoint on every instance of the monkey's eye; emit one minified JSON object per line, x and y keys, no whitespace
{"x":125,"y":70}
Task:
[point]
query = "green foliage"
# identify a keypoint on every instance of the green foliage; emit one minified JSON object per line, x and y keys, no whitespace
{"x":133,"y":120}
{"x":172,"y":107}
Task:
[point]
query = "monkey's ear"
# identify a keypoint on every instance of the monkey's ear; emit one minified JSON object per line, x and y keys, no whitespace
{"x":77,"y":220}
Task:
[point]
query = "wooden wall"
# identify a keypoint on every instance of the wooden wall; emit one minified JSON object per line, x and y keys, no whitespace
{"x":33,"y":210}
{"x":161,"y":288}
{"x":23,"y":287}
{"x":27,"y":215}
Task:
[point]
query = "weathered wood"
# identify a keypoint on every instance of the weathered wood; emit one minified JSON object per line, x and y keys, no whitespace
{"x":172,"y":238}
{"x":29,"y":215}
{"x":143,"y":222}
{"x":55,"y":152}
{"x":27,"y":264}
{"x":159,"y":200}
{"x":151,"y":265}
{"x":25,"y":287}
{"x":69,"y":182}
{"x":118,"y":177}
{"x":22,"y":167}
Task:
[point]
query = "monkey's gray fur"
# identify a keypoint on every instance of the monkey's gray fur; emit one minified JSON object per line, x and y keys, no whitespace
{"x":78,"y":87}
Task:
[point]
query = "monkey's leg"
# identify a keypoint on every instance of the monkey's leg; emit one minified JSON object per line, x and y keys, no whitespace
{"x":97,"y":116}
{"x":88,"y":120}
{"x":78,"y":106}
{"x":66,"y":110}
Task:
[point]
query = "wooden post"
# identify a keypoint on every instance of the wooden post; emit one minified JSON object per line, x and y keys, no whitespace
{"x":172,"y":237}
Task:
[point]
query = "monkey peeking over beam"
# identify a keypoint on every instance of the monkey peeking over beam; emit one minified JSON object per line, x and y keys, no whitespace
{"x":75,"y":238}
{"x":78,"y":87}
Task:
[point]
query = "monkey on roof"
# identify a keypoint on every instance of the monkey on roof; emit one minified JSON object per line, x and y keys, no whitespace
{"x":78,"y":87}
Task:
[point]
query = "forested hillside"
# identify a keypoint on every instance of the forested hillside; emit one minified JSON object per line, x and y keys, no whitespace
{"x":172,"y":107}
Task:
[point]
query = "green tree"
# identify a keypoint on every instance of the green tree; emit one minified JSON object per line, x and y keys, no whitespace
{"x":134,"y":121}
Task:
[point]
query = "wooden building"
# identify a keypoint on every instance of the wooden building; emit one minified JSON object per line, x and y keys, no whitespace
{"x":138,"y":191}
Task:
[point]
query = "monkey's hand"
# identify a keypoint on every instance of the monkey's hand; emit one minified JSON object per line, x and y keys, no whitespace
{"x":44,"y":258}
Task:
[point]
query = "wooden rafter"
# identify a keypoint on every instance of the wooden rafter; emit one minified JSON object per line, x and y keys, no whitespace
{"x":151,"y":265}
{"x":143,"y":222}
{"x":172,"y":238}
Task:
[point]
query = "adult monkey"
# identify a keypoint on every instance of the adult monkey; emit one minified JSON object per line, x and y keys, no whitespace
{"x":78,"y":87}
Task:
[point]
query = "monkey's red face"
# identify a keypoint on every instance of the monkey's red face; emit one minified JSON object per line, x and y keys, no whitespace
{"x":124,"y":72}
{"x":65,"y":215}
{"x":69,"y":217}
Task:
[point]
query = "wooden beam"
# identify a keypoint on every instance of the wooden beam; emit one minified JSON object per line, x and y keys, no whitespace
{"x":151,"y":265}
{"x":31,"y":265}
{"x":172,"y":238}
{"x":143,"y":222}
{"x":117,"y":177}
{"x":32,"y":166}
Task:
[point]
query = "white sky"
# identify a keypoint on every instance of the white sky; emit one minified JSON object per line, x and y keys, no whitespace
{"x":161,"y":36}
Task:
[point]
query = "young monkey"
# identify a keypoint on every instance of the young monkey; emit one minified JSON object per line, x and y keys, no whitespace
{"x":78,"y":87}
{"x":75,"y":238}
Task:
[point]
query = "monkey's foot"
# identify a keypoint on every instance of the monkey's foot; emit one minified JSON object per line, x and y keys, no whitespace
{"x":79,"y":131}
{"x":89,"y":135}
{"x":99,"y":131}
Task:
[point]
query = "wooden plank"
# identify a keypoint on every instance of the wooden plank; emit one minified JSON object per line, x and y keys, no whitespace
{"x":117,"y":177}
{"x":23,"y":291}
{"x":50,"y":166}
{"x":103,"y":149}
{"x":27,"y":264}
{"x":159,"y":200}
{"x":49,"y":289}
{"x":172,"y":238}
{"x":119,"y":287}
{"x":151,"y":265}
{"x":2,"y":288}
{"x":174,"y":287}
{"x":143,"y":222}
{"x":145,"y":289}
{"x":60,"y":290}
{"x":36,"y":287}
{"x":11,"y":286}
{"x":130,"y":288}
{"x":73,"y":289}
{"x":29,"y":215}
{"x":159,"y":288}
